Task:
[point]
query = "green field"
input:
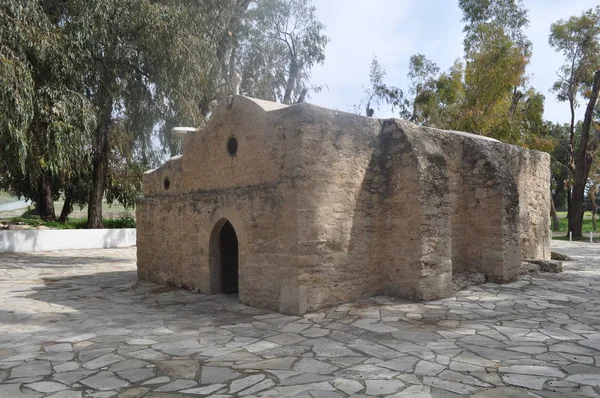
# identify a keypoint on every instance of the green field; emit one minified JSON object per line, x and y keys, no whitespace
{"x":125,"y":220}
{"x":587,"y":222}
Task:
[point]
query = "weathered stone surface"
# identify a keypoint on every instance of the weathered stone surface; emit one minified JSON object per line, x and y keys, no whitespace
{"x":240,"y":384}
{"x":532,"y":370}
{"x":465,"y":279}
{"x":348,"y":386}
{"x":559,"y":256}
{"x":180,"y":369}
{"x":14,"y":391}
{"x":329,"y":207}
{"x":177,"y":385}
{"x":263,"y":385}
{"x":278,"y":363}
{"x":46,"y":386}
{"x":457,"y":388}
{"x":529,"y":268}
{"x":537,"y":336}
{"x":104,"y":381}
{"x":413,"y":392}
{"x":34,"y":368}
{"x":528,"y":381}
{"x":203,"y":390}
{"x":103,"y":361}
{"x":552,"y":266}
{"x":215,"y":375}
{"x":382,"y":387}
{"x":135,"y":375}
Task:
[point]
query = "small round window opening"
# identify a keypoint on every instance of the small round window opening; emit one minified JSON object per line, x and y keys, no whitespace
{"x":232,"y":146}
{"x":167,"y":184}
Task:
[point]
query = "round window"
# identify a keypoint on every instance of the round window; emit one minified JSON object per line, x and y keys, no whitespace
{"x":232,"y":146}
{"x":167,"y":183}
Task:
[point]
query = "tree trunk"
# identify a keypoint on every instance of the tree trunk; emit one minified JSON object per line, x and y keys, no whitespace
{"x":583,"y":161}
{"x":516,"y":97}
{"x":571,"y":163}
{"x":576,"y":213}
{"x":67,"y":206}
{"x":569,"y":190}
{"x":302,"y":96}
{"x":555,"y":223}
{"x":100,"y":156}
{"x":45,"y":205}
{"x":287,"y":97}
{"x":99,"y":171}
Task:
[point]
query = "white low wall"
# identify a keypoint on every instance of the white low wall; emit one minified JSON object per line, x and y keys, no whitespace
{"x":65,"y":239}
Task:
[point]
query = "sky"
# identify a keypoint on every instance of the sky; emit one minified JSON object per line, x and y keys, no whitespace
{"x":393,"y":30}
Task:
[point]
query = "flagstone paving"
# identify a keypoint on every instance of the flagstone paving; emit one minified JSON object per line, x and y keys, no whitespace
{"x":79,"y":324}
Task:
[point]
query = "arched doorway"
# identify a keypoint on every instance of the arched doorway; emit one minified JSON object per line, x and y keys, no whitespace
{"x":228,"y":259}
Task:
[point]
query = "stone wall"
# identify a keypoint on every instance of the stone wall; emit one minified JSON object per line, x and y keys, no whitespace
{"x":330,"y":207}
{"x":337,"y":214}
{"x":531,"y":171}
{"x":252,"y":190}
{"x":416,"y":212}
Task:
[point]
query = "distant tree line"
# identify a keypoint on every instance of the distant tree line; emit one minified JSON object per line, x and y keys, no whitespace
{"x":487,"y":92}
{"x":89,"y":87}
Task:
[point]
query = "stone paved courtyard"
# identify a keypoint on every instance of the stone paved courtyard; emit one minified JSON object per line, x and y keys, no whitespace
{"x":79,"y":324}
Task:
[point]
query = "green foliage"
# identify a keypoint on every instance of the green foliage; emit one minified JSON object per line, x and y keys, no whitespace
{"x":578,"y":39}
{"x":272,"y":44}
{"x":563,"y":223}
{"x":46,"y":121}
{"x":380,"y":92}
{"x":509,"y":15}
{"x":84,"y":83}
{"x":487,"y":93}
{"x":484,"y":93}
{"x":285,"y":33}
{"x":125,"y":220}
{"x":560,"y":175}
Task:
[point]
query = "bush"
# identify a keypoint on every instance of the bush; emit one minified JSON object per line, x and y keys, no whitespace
{"x":125,"y":220}
{"x":77,"y":223}
{"x":31,"y":214}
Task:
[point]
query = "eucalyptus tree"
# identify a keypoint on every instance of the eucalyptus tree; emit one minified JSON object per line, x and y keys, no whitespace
{"x":126,"y":65}
{"x":379,"y":92}
{"x":479,"y":15}
{"x":85,"y":84}
{"x":290,"y":35}
{"x":45,"y":121}
{"x":203,"y":57}
{"x":272,"y":44}
{"x":578,"y":39}
{"x":421,"y":72}
{"x":487,"y":91}
{"x":498,"y":101}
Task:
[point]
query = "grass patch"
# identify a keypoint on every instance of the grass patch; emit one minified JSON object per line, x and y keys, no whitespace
{"x":566,"y":238}
{"x":563,"y":222}
{"x":125,"y":220}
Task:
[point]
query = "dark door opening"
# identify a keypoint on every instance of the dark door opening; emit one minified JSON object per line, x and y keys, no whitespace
{"x":228,"y":246}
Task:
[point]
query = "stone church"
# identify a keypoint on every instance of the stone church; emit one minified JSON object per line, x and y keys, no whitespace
{"x":298,"y":207}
